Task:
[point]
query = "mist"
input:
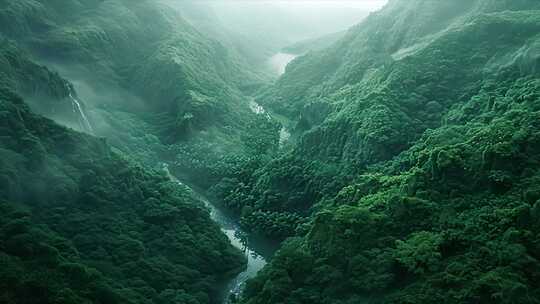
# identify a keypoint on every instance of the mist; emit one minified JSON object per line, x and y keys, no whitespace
{"x":267,"y":33}
{"x":292,"y":21}
{"x":268,"y":152}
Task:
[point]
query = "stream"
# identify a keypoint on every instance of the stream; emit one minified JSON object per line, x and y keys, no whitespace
{"x":256,"y":249}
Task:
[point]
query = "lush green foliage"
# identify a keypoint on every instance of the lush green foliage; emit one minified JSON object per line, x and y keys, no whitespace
{"x":185,"y":99}
{"x":79,"y":224}
{"x":189,"y":82}
{"x":23,"y":75}
{"x":453,"y":219}
{"x":369,"y":116}
{"x":414,"y":178}
{"x":420,"y":166}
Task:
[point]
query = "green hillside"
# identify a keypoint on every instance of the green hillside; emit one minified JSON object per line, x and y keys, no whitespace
{"x":370,"y":111}
{"x":144,"y":47}
{"x":396,"y":162}
{"x":80,"y":224}
{"x":413,"y":178}
{"x":149,"y":80}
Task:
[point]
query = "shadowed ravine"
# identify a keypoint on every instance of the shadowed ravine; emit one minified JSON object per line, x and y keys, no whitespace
{"x":257,"y":250}
{"x":269,"y":152}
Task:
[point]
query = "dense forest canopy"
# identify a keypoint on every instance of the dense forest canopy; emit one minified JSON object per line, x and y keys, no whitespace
{"x":396,"y":160}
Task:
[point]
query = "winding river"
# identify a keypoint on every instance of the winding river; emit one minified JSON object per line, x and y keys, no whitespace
{"x":257,"y":250}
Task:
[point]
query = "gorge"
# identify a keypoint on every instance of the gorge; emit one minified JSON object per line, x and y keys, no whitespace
{"x":269,"y":152}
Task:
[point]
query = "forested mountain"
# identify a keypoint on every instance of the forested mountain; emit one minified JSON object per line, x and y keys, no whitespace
{"x":150,"y":82}
{"x":79,"y":221}
{"x":20,"y":74}
{"x":130,"y":45}
{"x":80,"y":224}
{"x":396,"y":162}
{"x":315,"y":44}
{"x":414,"y":179}
{"x":250,"y":51}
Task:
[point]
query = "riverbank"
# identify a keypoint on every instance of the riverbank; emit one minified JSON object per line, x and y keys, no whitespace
{"x":257,"y":250}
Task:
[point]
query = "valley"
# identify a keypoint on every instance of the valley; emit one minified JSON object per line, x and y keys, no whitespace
{"x":257,"y":250}
{"x":202,"y":152}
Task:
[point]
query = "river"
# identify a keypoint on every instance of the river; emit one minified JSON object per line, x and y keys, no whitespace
{"x":279,"y":62}
{"x":257,"y":250}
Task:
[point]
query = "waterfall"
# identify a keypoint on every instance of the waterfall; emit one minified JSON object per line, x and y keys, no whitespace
{"x":79,"y":111}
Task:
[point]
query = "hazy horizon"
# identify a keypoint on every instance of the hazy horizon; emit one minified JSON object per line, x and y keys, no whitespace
{"x":292,"y":20}
{"x":270,"y":151}
{"x":368,"y":5}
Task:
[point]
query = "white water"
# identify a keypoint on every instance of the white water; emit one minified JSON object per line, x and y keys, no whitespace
{"x":258,"y":109}
{"x":78,"y":110}
{"x":284,"y":134}
{"x":279,"y":62}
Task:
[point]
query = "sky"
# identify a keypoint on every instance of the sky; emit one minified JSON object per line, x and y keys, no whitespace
{"x":368,"y":5}
{"x":280,"y":23}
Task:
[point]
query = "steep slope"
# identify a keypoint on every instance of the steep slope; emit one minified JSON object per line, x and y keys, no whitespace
{"x":389,"y":106}
{"x":151,"y":83}
{"x":416,"y":174}
{"x":80,"y":224}
{"x":399,"y":27}
{"x":454,"y":219}
{"x":248,"y":51}
{"x":144,"y":47}
{"x":46,"y":92}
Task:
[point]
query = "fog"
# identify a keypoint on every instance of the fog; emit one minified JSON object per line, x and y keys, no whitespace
{"x":367,"y":5}
{"x":280,"y":61}
{"x":293,"y":21}
{"x":264,"y":31}
{"x":269,"y":151}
